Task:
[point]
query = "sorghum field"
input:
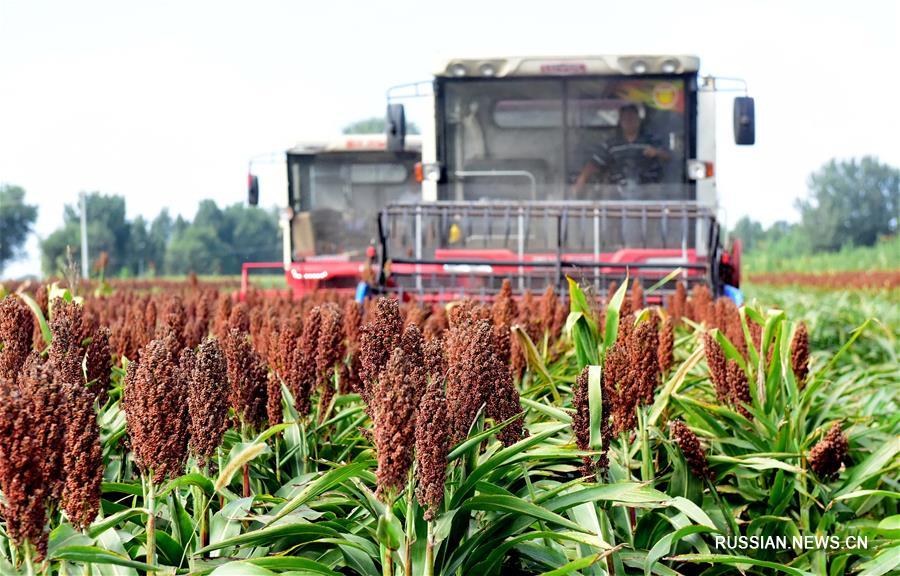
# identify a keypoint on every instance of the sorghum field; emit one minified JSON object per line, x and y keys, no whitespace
{"x":170,"y":430}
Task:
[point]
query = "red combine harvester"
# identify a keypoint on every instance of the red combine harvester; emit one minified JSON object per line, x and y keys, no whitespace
{"x":538,"y":168}
{"x":335,"y":190}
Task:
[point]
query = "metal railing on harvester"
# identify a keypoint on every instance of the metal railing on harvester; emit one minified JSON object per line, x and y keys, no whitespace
{"x":446,"y":250}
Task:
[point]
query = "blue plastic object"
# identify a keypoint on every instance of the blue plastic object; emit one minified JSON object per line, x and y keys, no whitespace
{"x":362,"y":290}
{"x":735,"y":294}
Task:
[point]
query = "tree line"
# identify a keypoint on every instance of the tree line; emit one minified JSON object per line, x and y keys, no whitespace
{"x":850,"y":203}
{"x":216,"y":241}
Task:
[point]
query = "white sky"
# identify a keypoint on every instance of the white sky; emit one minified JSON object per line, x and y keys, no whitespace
{"x":165,"y":102}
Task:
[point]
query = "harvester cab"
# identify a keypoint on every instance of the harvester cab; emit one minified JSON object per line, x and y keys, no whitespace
{"x":596,"y":167}
{"x":334,"y":190}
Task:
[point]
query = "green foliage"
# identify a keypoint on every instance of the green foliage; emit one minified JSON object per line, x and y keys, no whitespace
{"x":16,"y":221}
{"x":216,"y":242}
{"x":884,"y":255}
{"x":375,"y":125}
{"x":851,"y":203}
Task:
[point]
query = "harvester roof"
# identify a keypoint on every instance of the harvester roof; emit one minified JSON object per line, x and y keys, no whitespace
{"x":352,"y":143}
{"x":630,"y":64}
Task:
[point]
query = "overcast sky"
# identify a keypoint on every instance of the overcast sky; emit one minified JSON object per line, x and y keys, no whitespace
{"x":165,"y":102}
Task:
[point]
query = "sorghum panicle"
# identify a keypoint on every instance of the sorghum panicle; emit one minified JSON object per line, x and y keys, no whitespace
{"x":156,"y":410}
{"x":66,"y":353}
{"x":247,"y":379}
{"x":208,"y":400}
{"x":83,"y":457}
{"x":503,"y":313}
{"x":692,"y":450}
{"x":432,"y":445}
{"x":666,"y":353}
{"x":98,"y":363}
{"x":395,"y":421}
{"x":800,"y":354}
{"x":304,"y":381}
{"x":379,"y":336}
{"x":16,"y":331}
{"x":826,"y":457}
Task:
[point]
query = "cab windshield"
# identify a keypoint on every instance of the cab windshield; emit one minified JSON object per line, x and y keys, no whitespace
{"x":611,"y":138}
{"x":334,"y":197}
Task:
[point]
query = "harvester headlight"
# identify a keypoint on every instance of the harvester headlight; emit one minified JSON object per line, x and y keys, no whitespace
{"x":639,"y":67}
{"x":431,"y":172}
{"x":488,"y":69}
{"x":458,"y":70}
{"x":669,"y":66}
{"x":698,"y":169}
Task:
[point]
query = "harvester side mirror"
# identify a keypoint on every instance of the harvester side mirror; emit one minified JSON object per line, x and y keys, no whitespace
{"x":252,"y":190}
{"x":396,"y":127}
{"x":744,"y":121}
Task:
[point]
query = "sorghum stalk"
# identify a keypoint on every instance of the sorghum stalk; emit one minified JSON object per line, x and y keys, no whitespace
{"x":150,"y":503}
{"x":429,"y":549}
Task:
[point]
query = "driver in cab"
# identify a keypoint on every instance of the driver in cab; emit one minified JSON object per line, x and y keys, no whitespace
{"x":631,"y":157}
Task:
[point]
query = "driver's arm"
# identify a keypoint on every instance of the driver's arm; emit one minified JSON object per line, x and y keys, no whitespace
{"x":589,"y":170}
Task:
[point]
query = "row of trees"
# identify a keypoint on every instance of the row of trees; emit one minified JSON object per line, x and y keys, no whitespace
{"x":217,"y":241}
{"x":17,"y":219}
{"x":850,"y":203}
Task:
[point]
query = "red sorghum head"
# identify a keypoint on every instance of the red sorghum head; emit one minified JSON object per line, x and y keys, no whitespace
{"x":826,"y":457}
{"x":692,"y":450}
{"x":395,"y":421}
{"x":247,"y":379}
{"x":98,"y":362}
{"x":155,"y":403}
{"x":208,"y":399}
{"x":22,"y":465}
{"x":303,"y":380}
{"x":16,"y":331}
{"x":503,"y":313}
{"x":666,"y":352}
{"x":380,"y":335}
{"x":83,"y":457}
{"x":581,"y":423}
{"x":432,"y":444}
{"x":800,"y":354}
{"x":66,"y":353}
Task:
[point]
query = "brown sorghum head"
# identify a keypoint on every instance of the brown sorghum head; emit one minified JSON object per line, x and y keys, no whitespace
{"x":247,"y":379}
{"x":22,"y":466}
{"x":738,"y":387}
{"x":643,"y":346}
{"x":303,"y":379}
{"x":239,"y":318}
{"x":432,"y":445}
{"x":395,"y":421}
{"x":436,"y":323}
{"x":172,"y":319}
{"x":435,"y":360}
{"x":330,"y":348}
{"x":581,"y":423}
{"x":800,"y":354}
{"x":414,"y":345}
{"x":352,"y":321}
{"x":155,"y":403}
{"x":548,"y":304}
{"x":16,"y":331}
{"x":620,"y":387}
{"x":728,"y":320}
{"x":715,"y":359}
{"x":223,"y":313}
{"x":274,"y":409}
{"x":666,"y":353}
{"x":98,"y":362}
{"x":47,"y":403}
{"x":380,"y":335}
{"x":208,"y":399}
{"x":826,"y":457}
{"x":65,"y":353}
{"x":503,"y":313}
{"x":692,"y":450}
{"x":637,"y":295}
{"x":678,"y":302}
{"x":83,"y":458}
